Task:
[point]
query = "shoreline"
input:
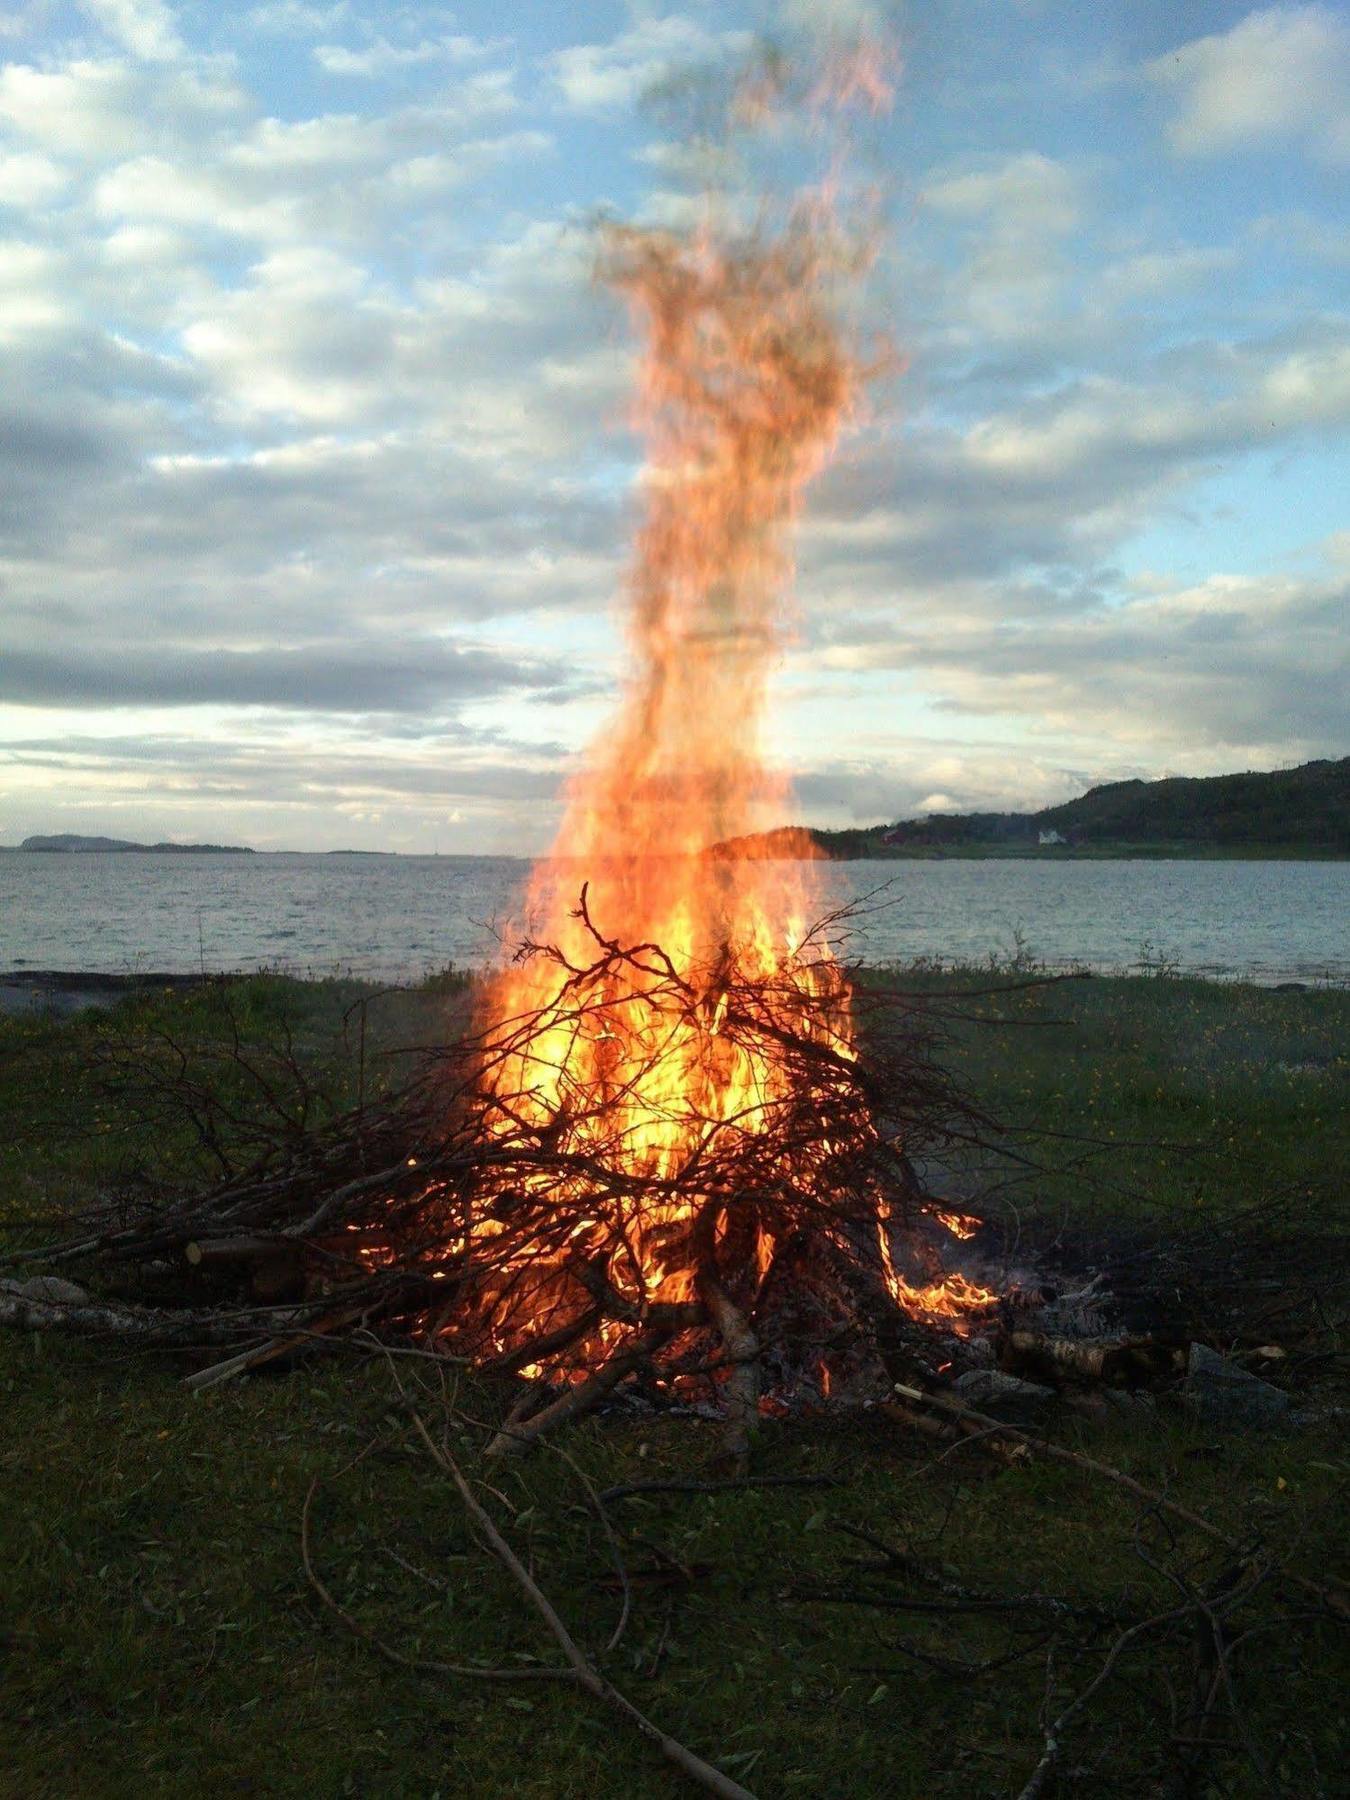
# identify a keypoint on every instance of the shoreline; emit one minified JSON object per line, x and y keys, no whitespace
{"x":1043,"y":853}
{"x":62,"y":993}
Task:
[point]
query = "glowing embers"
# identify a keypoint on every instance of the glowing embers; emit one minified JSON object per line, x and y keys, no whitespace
{"x":960,"y":1225}
{"x":949,"y":1299}
{"x":953,"y":1301}
{"x":651,"y":1129}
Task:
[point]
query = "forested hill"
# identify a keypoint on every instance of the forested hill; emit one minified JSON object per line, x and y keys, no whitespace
{"x":1297,"y":812}
{"x":1308,"y":805}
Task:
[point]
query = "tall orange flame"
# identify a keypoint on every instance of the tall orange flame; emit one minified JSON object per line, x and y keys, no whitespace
{"x":746,"y":381}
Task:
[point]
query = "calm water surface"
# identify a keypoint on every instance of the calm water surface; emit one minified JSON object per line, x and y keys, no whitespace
{"x":396,"y":917}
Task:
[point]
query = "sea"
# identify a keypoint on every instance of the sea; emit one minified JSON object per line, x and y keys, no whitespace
{"x":398,"y":918}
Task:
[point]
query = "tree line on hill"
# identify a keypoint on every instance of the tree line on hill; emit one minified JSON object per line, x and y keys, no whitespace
{"x":1303,"y":811}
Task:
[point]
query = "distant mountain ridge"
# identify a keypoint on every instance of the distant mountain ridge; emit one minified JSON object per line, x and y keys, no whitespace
{"x":1298,"y":812}
{"x":70,"y":841}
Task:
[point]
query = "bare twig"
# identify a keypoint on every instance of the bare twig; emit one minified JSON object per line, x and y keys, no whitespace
{"x":1331,"y":1593}
{"x":425,"y":1666}
{"x":587,"y":1675}
{"x":729,"y":1485}
{"x":518,"y":1436}
{"x":1054,"y":1733}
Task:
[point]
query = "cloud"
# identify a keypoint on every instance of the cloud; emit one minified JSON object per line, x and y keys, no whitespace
{"x":854,"y":18}
{"x":1283,"y":72}
{"x":92,"y":110}
{"x":1013,"y":217}
{"x":1028,"y":193}
{"x":145,"y":27}
{"x":1318,"y":240}
{"x":1255,"y":666}
{"x":297,"y":18}
{"x":273,"y":790}
{"x":1060,"y":474}
{"x":948,"y":776}
{"x":1100,"y":435}
{"x":20,"y":17}
{"x":380,"y":58}
{"x":29,"y":179}
{"x":305,"y":443}
{"x":329,"y":178}
{"x":1150,"y":275}
{"x":425,"y":675}
{"x":599,"y":78}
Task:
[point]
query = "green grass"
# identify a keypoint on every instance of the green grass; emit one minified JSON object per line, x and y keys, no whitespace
{"x":157,"y":1635}
{"x":1211,"y":1096}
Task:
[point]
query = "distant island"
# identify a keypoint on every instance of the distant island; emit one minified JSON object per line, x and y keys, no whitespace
{"x":69,"y":840}
{"x":1297,"y":813}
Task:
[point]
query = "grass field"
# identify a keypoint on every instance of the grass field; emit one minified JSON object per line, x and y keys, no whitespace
{"x":158,"y":1635}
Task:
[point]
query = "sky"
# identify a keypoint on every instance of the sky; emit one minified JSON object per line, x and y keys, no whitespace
{"x":316,"y":479}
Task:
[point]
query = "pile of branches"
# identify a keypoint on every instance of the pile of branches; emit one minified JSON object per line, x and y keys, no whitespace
{"x":448,"y":1213}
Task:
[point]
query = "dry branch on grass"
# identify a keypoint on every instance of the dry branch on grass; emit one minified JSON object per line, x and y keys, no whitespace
{"x":976,"y":1427}
{"x":587,"y":1675}
{"x":580,"y":1669}
{"x":1199,"y":1653}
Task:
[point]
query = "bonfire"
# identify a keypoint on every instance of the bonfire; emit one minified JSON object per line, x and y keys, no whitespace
{"x":660,"y":1151}
{"x":678,"y":1041}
